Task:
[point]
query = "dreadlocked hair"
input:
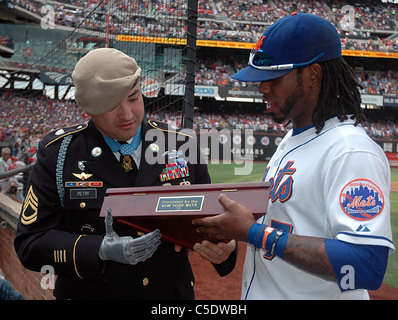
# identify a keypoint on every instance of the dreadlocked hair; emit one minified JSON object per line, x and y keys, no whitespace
{"x":339,"y":94}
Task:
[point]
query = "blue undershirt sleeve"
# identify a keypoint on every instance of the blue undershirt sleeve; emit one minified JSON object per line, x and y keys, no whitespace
{"x":357,"y":266}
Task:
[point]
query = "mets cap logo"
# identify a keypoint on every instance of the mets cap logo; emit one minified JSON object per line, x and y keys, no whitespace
{"x":258,"y":45}
{"x":361,"y":199}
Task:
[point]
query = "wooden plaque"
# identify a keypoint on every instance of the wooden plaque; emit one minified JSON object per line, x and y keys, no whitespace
{"x":171,"y":209}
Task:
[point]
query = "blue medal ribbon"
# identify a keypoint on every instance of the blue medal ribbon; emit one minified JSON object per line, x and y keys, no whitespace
{"x":127,"y":148}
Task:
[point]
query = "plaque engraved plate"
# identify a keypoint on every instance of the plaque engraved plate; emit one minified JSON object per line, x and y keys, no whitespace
{"x":182,"y":203}
{"x":171,"y":209}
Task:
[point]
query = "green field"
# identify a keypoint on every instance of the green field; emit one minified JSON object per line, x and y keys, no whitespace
{"x":391,"y":277}
{"x":223,"y":173}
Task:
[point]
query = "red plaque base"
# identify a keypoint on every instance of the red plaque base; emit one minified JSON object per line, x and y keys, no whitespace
{"x":171,"y":209}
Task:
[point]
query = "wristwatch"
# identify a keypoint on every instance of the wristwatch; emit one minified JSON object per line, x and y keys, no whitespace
{"x":278,"y":234}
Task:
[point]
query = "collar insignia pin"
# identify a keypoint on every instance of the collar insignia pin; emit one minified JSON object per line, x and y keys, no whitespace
{"x":81,"y":166}
{"x":96,"y":152}
{"x":154,"y":147}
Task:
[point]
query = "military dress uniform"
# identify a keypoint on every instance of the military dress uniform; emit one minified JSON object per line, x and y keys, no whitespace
{"x":60,"y":224}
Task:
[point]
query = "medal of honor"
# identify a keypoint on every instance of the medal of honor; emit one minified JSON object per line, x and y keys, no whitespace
{"x":127,"y":163}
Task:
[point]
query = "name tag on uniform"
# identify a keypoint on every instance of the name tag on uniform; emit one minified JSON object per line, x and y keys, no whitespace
{"x":83,"y":193}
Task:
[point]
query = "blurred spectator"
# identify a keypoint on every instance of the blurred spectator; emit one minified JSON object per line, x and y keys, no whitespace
{"x":5,"y":163}
{"x":7,"y":292}
{"x":13,"y":191}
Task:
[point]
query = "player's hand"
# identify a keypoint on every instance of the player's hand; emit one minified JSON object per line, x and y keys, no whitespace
{"x":234,"y":223}
{"x":127,"y":249}
{"x":215,"y":252}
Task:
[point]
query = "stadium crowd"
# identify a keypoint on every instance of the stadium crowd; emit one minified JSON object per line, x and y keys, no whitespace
{"x":7,"y":42}
{"x":216,"y":72}
{"x":233,"y":20}
{"x":223,"y":20}
{"x":25,"y":120}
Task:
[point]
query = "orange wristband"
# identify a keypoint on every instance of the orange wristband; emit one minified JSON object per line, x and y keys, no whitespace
{"x":267,"y":232}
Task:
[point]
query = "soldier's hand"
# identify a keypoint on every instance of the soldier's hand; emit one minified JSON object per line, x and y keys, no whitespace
{"x":127,"y":249}
{"x":215,"y":252}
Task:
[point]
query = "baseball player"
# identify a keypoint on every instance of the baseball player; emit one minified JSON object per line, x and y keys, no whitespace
{"x":326,"y":233}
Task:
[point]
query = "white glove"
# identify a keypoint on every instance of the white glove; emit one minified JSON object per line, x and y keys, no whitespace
{"x":127,"y":249}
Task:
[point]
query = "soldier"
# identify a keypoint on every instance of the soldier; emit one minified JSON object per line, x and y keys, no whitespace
{"x":60,"y":224}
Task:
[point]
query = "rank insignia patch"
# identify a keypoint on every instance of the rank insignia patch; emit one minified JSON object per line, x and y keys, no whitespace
{"x":29,"y":211}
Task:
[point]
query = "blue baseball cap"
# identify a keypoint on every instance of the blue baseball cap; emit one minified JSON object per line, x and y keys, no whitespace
{"x":294,"y":41}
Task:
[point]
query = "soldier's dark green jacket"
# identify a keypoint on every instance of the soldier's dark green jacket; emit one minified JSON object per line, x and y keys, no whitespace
{"x":60,"y":224}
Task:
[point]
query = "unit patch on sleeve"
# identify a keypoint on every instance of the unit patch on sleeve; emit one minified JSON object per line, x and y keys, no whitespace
{"x":362,"y":199}
{"x":29,"y":208}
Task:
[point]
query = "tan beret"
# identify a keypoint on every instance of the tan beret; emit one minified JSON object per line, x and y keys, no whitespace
{"x":102,"y":78}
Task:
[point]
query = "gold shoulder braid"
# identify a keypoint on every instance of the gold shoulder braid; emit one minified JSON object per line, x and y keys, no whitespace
{"x":61,"y":133}
{"x":155,"y":125}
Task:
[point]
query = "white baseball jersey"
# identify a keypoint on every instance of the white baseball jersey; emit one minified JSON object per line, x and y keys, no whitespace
{"x":334,"y":185}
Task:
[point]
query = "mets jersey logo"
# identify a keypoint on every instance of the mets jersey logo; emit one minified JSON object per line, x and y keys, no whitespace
{"x":361,"y":199}
{"x":282,"y":185}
